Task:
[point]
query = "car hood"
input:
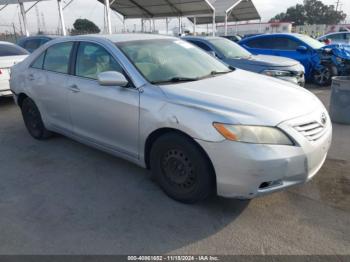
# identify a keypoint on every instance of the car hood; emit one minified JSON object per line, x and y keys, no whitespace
{"x":244,"y":98}
{"x":339,"y":50}
{"x":267,"y":61}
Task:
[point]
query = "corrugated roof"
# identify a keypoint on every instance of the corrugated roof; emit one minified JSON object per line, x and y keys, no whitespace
{"x":160,"y":8}
{"x":237,"y":10}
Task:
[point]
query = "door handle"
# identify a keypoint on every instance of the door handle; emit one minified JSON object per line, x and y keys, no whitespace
{"x":74,"y":88}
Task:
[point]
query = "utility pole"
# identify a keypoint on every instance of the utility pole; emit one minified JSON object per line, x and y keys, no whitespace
{"x":37,"y":18}
{"x":43,"y":23}
{"x":337,"y":5}
{"x":14,"y":31}
{"x":20,"y":23}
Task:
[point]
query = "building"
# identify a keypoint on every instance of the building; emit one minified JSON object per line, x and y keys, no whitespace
{"x":311,"y":30}
{"x":255,"y":28}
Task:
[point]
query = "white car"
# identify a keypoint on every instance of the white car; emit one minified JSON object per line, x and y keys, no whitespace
{"x":336,"y":38}
{"x":10,"y":54}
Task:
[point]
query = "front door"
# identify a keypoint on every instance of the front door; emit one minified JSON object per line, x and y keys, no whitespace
{"x":105,"y":115}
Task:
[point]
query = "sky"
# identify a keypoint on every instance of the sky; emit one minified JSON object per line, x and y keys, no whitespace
{"x":93,"y":10}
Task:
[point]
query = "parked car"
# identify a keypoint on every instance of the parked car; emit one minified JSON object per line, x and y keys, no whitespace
{"x":166,"y":105}
{"x":10,"y":54}
{"x":321,"y":62}
{"x":236,"y":56}
{"x":336,"y":38}
{"x":31,"y":43}
{"x":234,"y":38}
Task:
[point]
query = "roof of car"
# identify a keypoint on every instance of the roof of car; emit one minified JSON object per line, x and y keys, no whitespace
{"x":267,"y":35}
{"x":128,"y":37}
{"x":201,"y":37}
{"x":6,"y":43}
{"x":336,"y":33}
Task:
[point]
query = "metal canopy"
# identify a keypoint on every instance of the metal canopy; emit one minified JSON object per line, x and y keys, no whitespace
{"x":230,"y":11}
{"x":13,"y":2}
{"x":24,"y":12}
{"x":160,"y":8}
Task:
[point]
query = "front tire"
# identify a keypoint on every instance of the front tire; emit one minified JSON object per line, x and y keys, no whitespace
{"x":33,"y":121}
{"x":323,"y":76}
{"x":181,"y":168}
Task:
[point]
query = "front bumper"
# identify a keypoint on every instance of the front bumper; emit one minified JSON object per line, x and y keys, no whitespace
{"x":249,"y":170}
{"x":5,"y":88}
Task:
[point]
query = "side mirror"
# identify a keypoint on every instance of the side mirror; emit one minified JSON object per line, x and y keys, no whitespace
{"x":112,"y":78}
{"x":302,"y":49}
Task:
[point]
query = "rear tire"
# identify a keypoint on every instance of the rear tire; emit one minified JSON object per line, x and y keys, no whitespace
{"x":33,"y":121}
{"x":181,"y":168}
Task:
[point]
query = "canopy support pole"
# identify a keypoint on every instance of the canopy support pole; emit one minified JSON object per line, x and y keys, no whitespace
{"x":60,"y":12}
{"x":167,"y":25}
{"x":225,"y":24}
{"x":194,"y":25}
{"x":180,"y":26}
{"x":108,"y":13}
{"x":124,"y":24}
{"x":214,"y":23}
{"x":24,"y":18}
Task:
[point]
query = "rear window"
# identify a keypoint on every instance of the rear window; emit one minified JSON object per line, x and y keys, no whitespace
{"x":11,"y":50}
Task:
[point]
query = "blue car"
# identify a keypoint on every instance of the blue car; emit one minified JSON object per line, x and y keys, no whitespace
{"x":321,"y":62}
{"x":236,"y":56}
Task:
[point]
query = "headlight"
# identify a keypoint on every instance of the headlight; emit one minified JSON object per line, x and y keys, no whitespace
{"x":340,"y":60}
{"x":277,"y":73}
{"x":253,"y":134}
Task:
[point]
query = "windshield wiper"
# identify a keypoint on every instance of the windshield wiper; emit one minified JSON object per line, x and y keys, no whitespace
{"x":214,"y":73}
{"x":176,"y":79}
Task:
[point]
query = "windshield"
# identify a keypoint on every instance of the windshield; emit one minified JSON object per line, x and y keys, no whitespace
{"x":11,"y":50}
{"x":313,"y":43}
{"x":171,"y":60}
{"x":229,"y":49}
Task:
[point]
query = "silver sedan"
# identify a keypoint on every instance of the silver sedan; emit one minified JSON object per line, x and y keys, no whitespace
{"x":166,"y":105}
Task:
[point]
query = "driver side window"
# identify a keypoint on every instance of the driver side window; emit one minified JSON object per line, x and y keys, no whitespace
{"x":93,"y":59}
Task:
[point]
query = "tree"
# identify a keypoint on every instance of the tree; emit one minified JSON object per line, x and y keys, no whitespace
{"x":84,"y":26}
{"x":311,"y":12}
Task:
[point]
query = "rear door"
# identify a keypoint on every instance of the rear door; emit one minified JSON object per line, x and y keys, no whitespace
{"x":47,"y":78}
{"x":104,"y":115}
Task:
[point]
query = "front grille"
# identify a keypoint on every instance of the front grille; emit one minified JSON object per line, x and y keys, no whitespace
{"x":313,"y":131}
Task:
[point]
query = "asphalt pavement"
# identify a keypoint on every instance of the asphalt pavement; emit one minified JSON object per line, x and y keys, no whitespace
{"x":61,"y":197}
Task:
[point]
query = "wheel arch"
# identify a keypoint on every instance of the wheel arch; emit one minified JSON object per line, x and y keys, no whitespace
{"x":21,"y":98}
{"x":162,"y":131}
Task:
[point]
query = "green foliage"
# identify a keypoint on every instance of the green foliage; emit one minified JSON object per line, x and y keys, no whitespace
{"x":84,"y":26}
{"x":311,"y":12}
